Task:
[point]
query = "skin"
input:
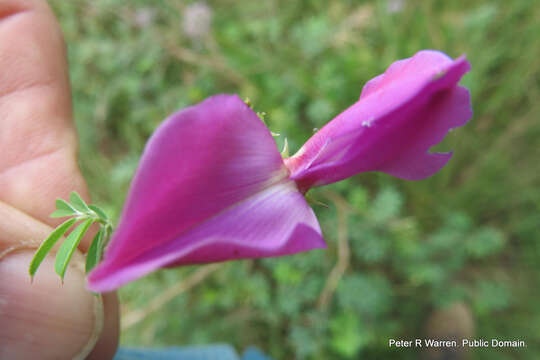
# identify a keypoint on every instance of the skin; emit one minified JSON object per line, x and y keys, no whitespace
{"x":38,"y":163}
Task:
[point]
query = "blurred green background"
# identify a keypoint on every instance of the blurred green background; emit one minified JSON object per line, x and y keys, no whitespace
{"x":456,"y":254}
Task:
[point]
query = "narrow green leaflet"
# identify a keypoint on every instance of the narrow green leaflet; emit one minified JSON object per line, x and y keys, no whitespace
{"x":62,"y":213}
{"x":63,"y":205}
{"x":94,"y":252}
{"x":68,"y":247}
{"x":48,"y":244}
{"x":78,"y":203}
{"x":99,"y":212}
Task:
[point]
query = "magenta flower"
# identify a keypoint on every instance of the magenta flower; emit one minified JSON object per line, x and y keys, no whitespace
{"x":212,"y":186}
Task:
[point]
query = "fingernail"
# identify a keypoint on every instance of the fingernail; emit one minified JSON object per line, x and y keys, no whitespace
{"x":45,"y":318}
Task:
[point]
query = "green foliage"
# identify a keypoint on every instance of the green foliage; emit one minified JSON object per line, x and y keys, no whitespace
{"x":48,"y":244}
{"x":64,"y":254}
{"x":468,"y":234}
{"x":93,"y":256}
{"x":79,"y":211}
{"x":368,"y":295}
{"x":63,"y":209}
{"x":484,"y":242}
{"x":77,"y":203}
{"x":386,"y":206}
{"x":348,"y":335}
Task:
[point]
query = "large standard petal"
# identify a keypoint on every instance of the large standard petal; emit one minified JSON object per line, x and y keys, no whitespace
{"x":399,"y":116}
{"x":276,"y":221}
{"x":199,"y":162}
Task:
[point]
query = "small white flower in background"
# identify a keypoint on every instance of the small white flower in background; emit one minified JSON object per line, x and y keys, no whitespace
{"x":144,"y":17}
{"x":197,"y":20}
{"x":395,"y":6}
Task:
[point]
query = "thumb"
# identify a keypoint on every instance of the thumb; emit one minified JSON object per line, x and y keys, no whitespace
{"x":62,"y":326}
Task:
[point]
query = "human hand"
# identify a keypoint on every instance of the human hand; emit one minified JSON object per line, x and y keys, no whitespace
{"x":37,"y":165}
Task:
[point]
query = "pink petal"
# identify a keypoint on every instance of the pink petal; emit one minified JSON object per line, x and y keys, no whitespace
{"x":200,"y":163}
{"x":276,"y":221}
{"x":399,"y":116}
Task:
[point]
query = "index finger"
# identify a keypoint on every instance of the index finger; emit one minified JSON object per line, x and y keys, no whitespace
{"x":37,"y":136}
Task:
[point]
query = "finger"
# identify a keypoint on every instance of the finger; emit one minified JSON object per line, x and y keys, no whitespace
{"x":106,"y":346}
{"x":47,"y":318}
{"x":17,"y":228}
{"x":37,"y":136}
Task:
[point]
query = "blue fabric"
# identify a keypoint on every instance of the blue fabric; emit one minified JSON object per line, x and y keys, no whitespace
{"x":208,"y":352}
{"x":254,"y":354}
